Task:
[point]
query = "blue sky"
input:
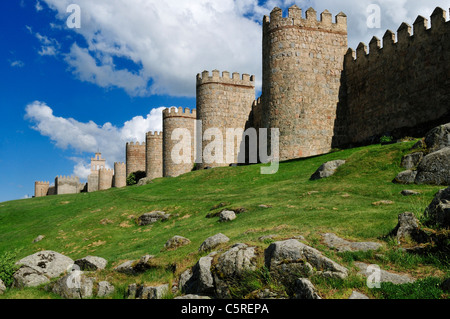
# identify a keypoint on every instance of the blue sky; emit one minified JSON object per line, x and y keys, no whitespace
{"x":66,"y":93}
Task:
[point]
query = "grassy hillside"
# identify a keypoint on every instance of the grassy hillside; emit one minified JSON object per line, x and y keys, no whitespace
{"x":103,"y":223}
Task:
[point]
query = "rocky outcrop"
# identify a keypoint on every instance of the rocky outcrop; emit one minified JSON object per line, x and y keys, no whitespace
{"x":327,"y":170}
{"x":91,"y":263}
{"x":384,"y":276}
{"x":105,"y":289}
{"x":342,"y":245}
{"x":214,"y":241}
{"x":435,"y":168}
{"x":438,"y":138}
{"x":199,"y":280}
{"x":411,"y":161}
{"x":176,"y":242}
{"x":288,"y":259}
{"x":39,"y":268}
{"x":133,"y":267}
{"x":136,"y":291}
{"x":438,"y":211}
{"x":304,"y":289}
{"x":75,"y":285}
{"x":408,"y":228}
{"x":406,"y":177}
{"x":153,"y":217}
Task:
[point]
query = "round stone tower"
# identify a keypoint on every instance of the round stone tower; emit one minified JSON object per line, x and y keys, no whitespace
{"x":303,"y":60}
{"x":120,"y":175}
{"x":178,"y":141}
{"x":224,"y":103}
{"x":105,"y":179}
{"x":135,"y":157}
{"x":154,"y":162}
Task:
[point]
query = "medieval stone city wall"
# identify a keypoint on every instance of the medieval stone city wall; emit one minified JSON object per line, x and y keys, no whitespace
{"x":120,"y":175}
{"x":223,"y":103}
{"x":68,"y":185}
{"x":154,"y":156}
{"x":398,"y":87}
{"x":178,"y":118}
{"x":302,"y":65}
{"x":135,"y":157}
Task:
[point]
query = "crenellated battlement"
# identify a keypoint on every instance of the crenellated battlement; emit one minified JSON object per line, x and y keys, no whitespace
{"x":107,"y":171}
{"x":226,"y":78}
{"x":294,"y":18}
{"x":67,"y":179}
{"x":119,"y":164}
{"x":407,"y":36}
{"x":135,"y":144}
{"x":179,"y":112}
{"x":154,"y":134}
{"x":42,"y":183}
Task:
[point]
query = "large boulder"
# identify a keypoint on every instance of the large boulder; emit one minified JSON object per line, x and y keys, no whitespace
{"x":435,"y":168}
{"x":91,"y":263}
{"x":438,"y":138}
{"x":39,"y":268}
{"x":411,"y":161}
{"x":133,"y":267}
{"x":236,"y":261}
{"x":383,"y":275}
{"x":214,"y":241}
{"x":153,"y":292}
{"x":153,"y":217}
{"x":439,"y":210}
{"x":291,"y":258}
{"x":75,"y":285}
{"x":327,"y":169}
{"x":199,"y":280}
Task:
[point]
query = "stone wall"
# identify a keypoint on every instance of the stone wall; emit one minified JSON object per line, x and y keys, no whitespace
{"x":120,"y":175}
{"x":105,"y":179}
{"x":224,"y":102}
{"x":302,"y":66}
{"x":41,"y":189}
{"x":135,"y":157}
{"x":400,"y":89}
{"x":173,"y":119}
{"x":154,"y":162}
{"x":67,"y":185}
{"x":92,"y":185}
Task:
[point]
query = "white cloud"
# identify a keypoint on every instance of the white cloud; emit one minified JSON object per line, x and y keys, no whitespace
{"x":17,"y":64}
{"x":110,"y":140}
{"x":49,"y":46}
{"x":38,"y":6}
{"x":169,"y":42}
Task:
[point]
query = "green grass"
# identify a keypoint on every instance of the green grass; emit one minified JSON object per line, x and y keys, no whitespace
{"x":103,"y":223}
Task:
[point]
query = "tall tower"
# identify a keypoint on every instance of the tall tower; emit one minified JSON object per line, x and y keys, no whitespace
{"x":41,"y":189}
{"x":224,"y":102}
{"x":303,"y":60}
{"x":120,"y":175}
{"x":154,"y":162}
{"x":105,"y":179}
{"x":182,"y":163}
{"x":135,"y":157}
{"x":97,"y":163}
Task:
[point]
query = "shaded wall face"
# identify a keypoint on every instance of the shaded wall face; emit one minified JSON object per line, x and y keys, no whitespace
{"x":401,"y":89}
{"x":93,"y":183}
{"x":302,"y":69}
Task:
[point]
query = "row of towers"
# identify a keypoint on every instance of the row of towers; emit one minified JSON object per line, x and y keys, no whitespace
{"x":318,"y":93}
